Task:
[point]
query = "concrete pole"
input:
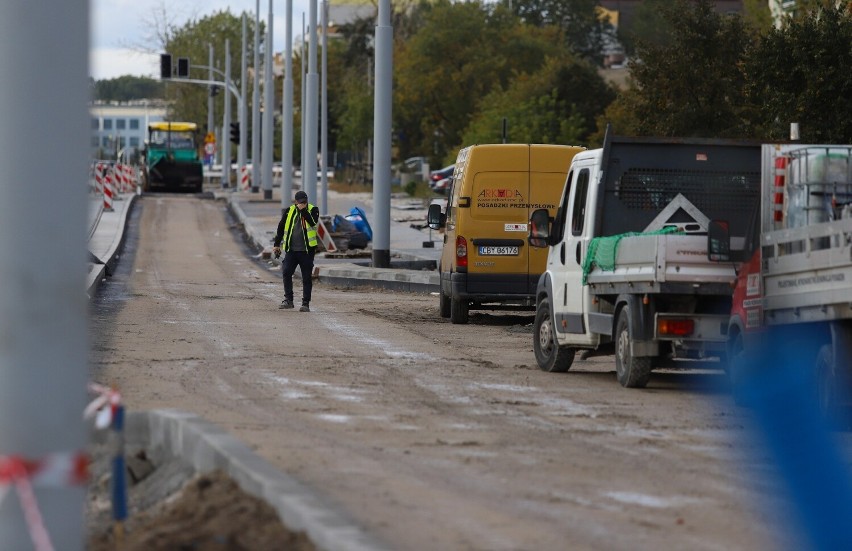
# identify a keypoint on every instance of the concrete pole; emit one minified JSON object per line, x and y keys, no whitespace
{"x":382,"y":137}
{"x":309,"y":171}
{"x":226,"y":121}
{"x":268,"y":111}
{"x":287,"y":118}
{"x":303,"y":73}
{"x":241,"y":148}
{"x":255,"y":106}
{"x":324,"y":111}
{"x":43,"y":306}
{"x":211,"y":101}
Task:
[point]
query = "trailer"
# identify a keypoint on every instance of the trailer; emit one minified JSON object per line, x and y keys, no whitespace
{"x":628,"y":271}
{"x":795,"y":281}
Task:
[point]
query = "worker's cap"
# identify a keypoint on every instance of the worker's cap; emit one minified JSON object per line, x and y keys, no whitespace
{"x":301,"y":197}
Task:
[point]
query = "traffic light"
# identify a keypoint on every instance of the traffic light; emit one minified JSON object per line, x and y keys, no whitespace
{"x":165,"y":66}
{"x":183,"y":67}
{"x":235,"y":132}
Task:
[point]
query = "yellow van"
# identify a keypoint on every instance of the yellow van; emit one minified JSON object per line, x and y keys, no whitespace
{"x":486,"y":262}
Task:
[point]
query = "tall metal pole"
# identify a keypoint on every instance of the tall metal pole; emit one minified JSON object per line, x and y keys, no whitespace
{"x":309,"y":172}
{"x":255,"y":106}
{"x":287,"y":118}
{"x":303,"y":73}
{"x":268,"y":110}
{"x":226,"y":121}
{"x":211,"y":101}
{"x":324,"y":111}
{"x":241,"y":148}
{"x":43,"y":307}
{"x":382,"y":137}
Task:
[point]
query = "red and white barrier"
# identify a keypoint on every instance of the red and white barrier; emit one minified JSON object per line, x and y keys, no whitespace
{"x":99,"y":178}
{"x":245,"y":177}
{"x":108,"y":191}
{"x":325,"y":238}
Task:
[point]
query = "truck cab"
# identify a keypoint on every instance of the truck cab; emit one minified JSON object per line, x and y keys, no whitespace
{"x":627,"y":270}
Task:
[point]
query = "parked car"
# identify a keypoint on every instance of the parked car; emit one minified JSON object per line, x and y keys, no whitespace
{"x":437,"y":175}
{"x":443,"y":186}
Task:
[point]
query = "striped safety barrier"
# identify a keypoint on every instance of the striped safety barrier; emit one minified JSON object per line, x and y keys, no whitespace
{"x":245,"y":177}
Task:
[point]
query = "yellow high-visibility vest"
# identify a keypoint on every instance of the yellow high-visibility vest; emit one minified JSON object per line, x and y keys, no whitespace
{"x":310,"y":233}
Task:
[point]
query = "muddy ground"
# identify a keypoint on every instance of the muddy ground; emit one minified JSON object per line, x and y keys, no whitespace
{"x":431,"y":435}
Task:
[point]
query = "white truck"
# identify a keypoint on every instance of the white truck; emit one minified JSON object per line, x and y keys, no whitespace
{"x":795,"y":281}
{"x":627,"y":269}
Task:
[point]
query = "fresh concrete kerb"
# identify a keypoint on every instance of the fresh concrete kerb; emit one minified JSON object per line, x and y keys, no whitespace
{"x":177,"y":435}
{"x":202,"y":446}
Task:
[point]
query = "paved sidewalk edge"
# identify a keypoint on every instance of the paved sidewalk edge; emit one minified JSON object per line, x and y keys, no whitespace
{"x":350,"y":275}
{"x":98,"y":272}
{"x":207,"y":447}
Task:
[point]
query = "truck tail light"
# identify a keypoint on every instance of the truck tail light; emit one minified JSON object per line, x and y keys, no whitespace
{"x":676,"y":327}
{"x":461,"y":252}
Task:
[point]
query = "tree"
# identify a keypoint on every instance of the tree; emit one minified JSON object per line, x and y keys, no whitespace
{"x":192,"y":40}
{"x":649,"y":26}
{"x":584,"y":32}
{"x":802,"y":73}
{"x":694,"y":85}
{"x":557,"y":104}
{"x":462,"y":52}
{"x":126,"y":88}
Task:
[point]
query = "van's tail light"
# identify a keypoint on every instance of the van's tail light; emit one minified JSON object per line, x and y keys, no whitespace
{"x":461,"y":252}
{"x":676,"y":327}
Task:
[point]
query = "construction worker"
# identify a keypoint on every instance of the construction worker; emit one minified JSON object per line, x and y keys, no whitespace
{"x":298,"y":232}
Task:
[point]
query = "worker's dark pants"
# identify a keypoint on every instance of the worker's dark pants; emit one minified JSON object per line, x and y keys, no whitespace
{"x":305,"y":261}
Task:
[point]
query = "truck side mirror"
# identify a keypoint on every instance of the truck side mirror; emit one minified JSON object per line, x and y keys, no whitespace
{"x":435,"y":219}
{"x":539,"y":236}
{"x":718,"y":241}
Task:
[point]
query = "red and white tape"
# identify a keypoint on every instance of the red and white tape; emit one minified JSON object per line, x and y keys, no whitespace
{"x":98,"y":409}
{"x":54,"y":470}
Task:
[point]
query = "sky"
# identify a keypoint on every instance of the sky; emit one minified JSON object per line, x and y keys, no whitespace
{"x":120,"y":28}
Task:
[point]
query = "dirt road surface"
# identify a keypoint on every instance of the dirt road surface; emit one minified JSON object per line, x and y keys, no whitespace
{"x":432,"y":435}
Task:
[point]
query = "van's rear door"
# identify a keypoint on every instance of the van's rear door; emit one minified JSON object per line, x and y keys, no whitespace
{"x":497,"y":248}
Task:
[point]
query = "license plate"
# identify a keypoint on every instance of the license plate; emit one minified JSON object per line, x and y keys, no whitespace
{"x":498,"y":251}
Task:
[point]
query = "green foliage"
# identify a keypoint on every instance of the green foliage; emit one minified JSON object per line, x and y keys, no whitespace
{"x":191,"y":40}
{"x":583,"y":32}
{"x":557,"y":105}
{"x":649,"y":26}
{"x":462,"y":52}
{"x":692,"y":86}
{"x":803,"y":73}
{"x":127,"y":88}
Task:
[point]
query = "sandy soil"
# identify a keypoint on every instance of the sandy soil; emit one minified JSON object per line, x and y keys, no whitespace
{"x":432,"y":435}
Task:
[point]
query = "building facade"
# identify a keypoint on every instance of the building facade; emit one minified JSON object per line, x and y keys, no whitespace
{"x":121,"y":128}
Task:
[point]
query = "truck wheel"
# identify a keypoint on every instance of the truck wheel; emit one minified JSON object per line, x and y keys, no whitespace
{"x":548,"y":354}
{"x":631,"y":372}
{"x":443,"y":302}
{"x":458,"y":310}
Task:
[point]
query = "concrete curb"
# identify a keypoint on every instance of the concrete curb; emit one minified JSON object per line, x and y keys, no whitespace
{"x":206,"y":447}
{"x":97,"y":272}
{"x":350,"y":275}
{"x":253,"y":233}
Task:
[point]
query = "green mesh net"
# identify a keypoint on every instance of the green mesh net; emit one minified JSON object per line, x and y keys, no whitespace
{"x":602,"y":250}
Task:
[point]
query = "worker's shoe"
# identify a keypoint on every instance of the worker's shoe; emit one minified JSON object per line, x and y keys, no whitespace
{"x":305,"y":308}
{"x":285,"y":304}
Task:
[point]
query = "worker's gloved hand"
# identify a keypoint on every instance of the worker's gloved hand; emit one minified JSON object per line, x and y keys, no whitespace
{"x":276,"y":251}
